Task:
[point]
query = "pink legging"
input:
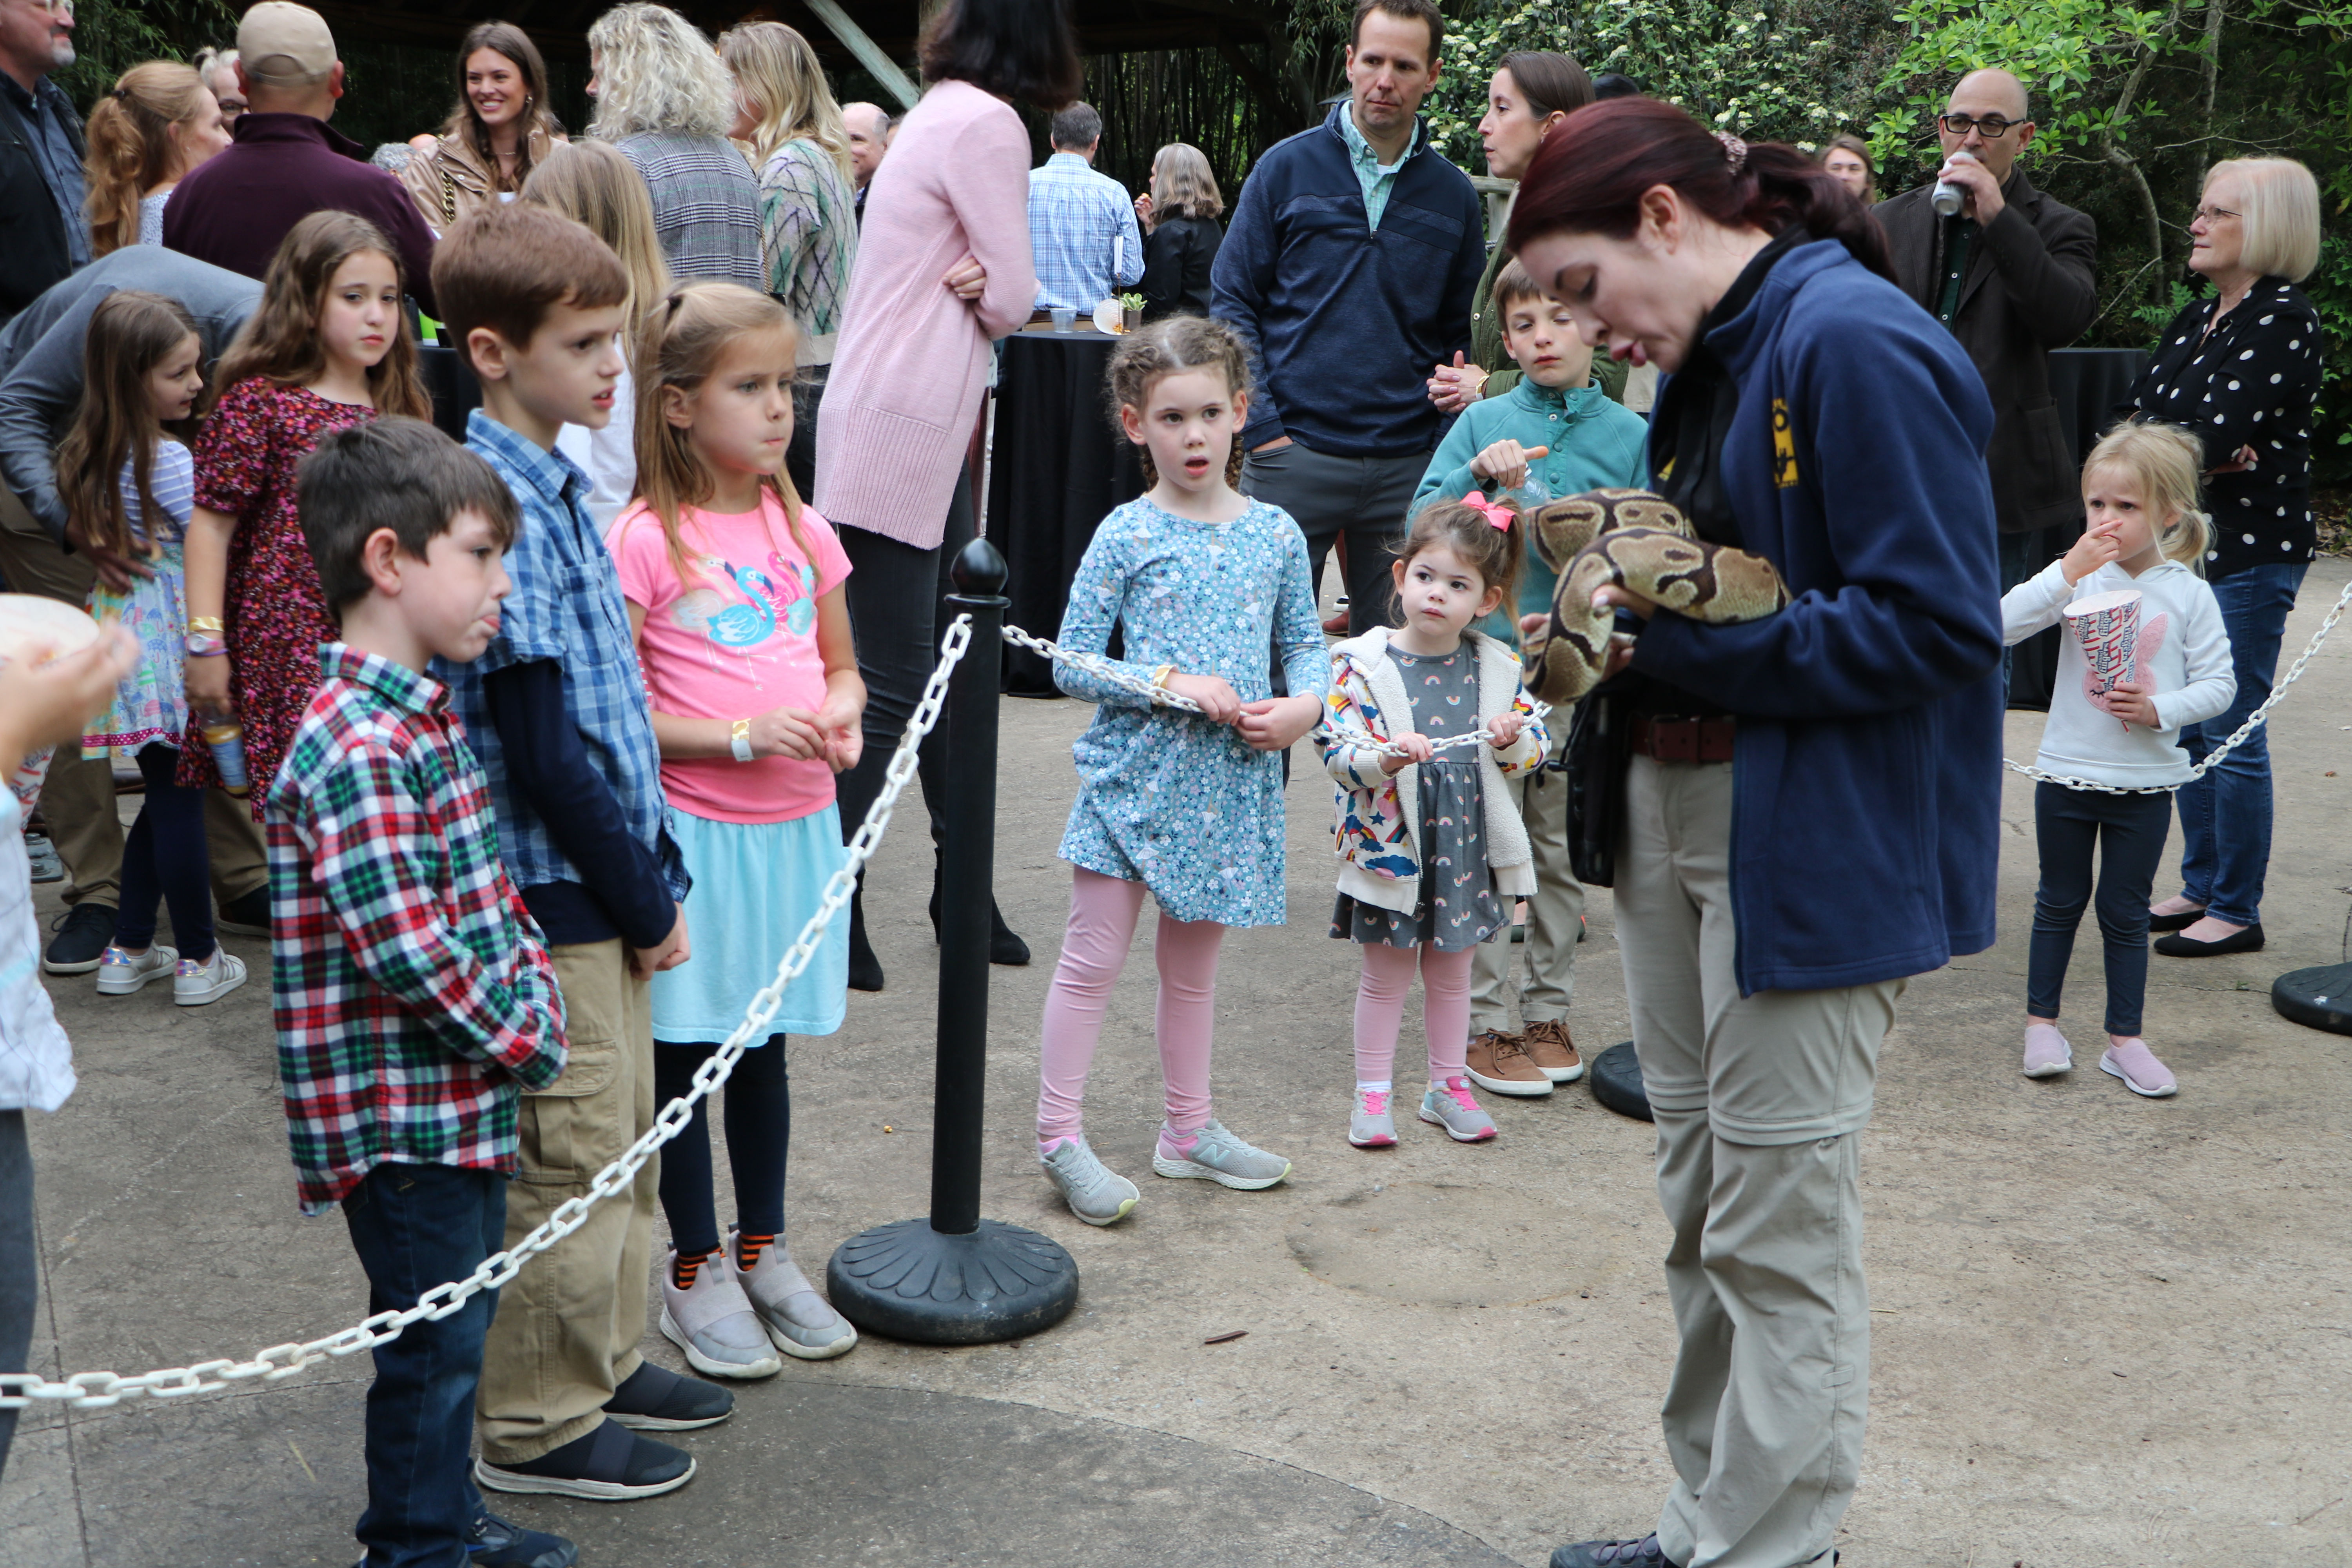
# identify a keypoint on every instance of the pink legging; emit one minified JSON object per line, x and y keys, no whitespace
{"x":1103,"y":912}
{"x":1380,"y":1009}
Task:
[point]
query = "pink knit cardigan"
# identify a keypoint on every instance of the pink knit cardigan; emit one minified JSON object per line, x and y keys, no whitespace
{"x":912,"y":358}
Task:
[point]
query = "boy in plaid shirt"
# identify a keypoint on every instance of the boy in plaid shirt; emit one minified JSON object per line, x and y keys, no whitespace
{"x":413,"y":995}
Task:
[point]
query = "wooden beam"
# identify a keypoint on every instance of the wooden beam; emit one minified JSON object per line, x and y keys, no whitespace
{"x":881,"y":67}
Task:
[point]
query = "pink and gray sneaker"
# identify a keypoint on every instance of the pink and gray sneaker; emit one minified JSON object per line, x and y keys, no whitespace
{"x":1450,"y":1105}
{"x":1372,"y":1126}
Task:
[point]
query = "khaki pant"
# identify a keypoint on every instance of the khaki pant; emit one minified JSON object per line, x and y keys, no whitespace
{"x":77,"y":798}
{"x":1758,"y":1101}
{"x":567,"y":1327}
{"x":1555,"y":915}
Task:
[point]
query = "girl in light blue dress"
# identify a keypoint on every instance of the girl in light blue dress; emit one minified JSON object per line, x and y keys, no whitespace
{"x":1200,"y":583}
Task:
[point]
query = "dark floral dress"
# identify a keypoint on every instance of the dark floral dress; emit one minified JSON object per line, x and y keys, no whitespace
{"x":274,"y":613}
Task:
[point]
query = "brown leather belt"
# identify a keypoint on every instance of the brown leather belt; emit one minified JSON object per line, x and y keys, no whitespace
{"x":1684,"y":740}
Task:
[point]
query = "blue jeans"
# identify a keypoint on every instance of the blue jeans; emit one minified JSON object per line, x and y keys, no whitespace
{"x":413,"y":1228}
{"x":2225,"y":816}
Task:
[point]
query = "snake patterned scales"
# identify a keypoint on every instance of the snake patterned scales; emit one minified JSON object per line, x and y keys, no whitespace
{"x":1638,"y":542}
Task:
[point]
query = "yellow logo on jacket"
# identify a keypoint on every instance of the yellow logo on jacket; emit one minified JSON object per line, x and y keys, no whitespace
{"x":1784,"y":446}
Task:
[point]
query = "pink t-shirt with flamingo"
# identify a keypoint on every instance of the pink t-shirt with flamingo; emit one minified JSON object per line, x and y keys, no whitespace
{"x":735,"y":640}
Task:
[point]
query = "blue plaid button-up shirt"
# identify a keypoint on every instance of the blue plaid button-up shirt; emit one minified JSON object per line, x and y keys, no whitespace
{"x":1082,"y":234}
{"x":566,"y":605}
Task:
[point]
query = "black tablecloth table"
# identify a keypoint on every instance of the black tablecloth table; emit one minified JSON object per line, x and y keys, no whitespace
{"x":1057,"y":466}
{"x":2087,"y":385}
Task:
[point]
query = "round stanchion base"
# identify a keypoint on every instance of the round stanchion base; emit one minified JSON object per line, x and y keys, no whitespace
{"x":906,"y":1281}
{"x":2321,"y":997}
{"x":1616,"y":1078}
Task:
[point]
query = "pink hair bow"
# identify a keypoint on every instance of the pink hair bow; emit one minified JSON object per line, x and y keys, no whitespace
{"x":1499,"y":515}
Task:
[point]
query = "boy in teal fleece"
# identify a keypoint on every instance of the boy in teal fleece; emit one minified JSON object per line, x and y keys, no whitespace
{"x":1589,"y":442}
{"x":1558,"y":427}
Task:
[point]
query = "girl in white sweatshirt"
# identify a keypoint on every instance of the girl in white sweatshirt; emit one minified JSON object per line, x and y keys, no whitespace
{"x":2139,"y":493}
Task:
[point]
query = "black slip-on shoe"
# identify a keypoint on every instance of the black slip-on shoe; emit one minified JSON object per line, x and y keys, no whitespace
{"x":495,"y":1542}
{"x":1643,"y":1553}
{"x":248,"y":914}
{"x":656,"y":1399}
{"x":610,"y":1464}
{"x":2157,"y":923}
{"x":84,"y":932}
{"x":2179,"y":946}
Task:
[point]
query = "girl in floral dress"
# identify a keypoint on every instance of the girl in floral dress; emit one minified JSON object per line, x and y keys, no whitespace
{"x":126,"y":486}
{"x":329,"y":347}
{"x":1201,"y":582}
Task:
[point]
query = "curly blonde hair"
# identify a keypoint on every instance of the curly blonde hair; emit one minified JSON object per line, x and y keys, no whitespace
{"x":657,"y":71}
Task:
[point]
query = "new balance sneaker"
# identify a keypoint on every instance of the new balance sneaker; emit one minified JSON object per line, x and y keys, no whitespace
{"x":1500,"y":1064}
{"x":193,"y":984}
{"x":119,"y":973}
{"x":1450,"y":1105}
{"x":2137,"y":1065}
{"x":2047,"y":1054}
{"x":712,"y":1321}
{"x":1094,"y":1193}
{"x":800,"y":1323}
{"x":1214,"y":1154}
{"x":1372,"y":1126}
{"x":1547,"y":1045}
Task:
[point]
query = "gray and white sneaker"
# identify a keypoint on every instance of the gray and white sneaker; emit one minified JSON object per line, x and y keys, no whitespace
{"x":1372,"y":1126}
{"x":1219,"y":1156}
{"x":193,"y":985}
{"x":712,"y":1321}
{"x":119,"y":973}
{"x":800,"y":1323}
{"x":1452,"y":1106}
{"x":1094,"y":1193}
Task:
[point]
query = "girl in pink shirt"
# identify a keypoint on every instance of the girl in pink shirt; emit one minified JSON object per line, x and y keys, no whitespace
{"x":735,"y":591}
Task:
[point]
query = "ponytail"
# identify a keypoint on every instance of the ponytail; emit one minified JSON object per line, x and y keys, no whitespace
{"x":1588,"y":177}
{"x":128,"y":146}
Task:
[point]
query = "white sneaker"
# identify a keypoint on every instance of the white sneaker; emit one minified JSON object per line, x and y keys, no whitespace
{"x":120,"y":973}
{"x":193,"y":984}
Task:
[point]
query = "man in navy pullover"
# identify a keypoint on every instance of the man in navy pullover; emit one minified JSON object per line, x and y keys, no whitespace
{"x":1348,"y":271}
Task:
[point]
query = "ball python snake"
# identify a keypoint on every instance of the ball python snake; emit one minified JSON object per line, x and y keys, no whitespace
{"x":1641,"y":543}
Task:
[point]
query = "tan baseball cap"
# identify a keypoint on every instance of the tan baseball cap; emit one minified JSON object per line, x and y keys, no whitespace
{"x":285,"y":45}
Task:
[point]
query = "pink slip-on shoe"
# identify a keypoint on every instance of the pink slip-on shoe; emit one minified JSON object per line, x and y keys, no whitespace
{"x":2137,"y":1065}
{"x":2047,"y":1054}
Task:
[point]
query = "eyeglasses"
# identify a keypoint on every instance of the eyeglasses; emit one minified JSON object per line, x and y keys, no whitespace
{"x":1993,"y":126}
{"x":2206,"y":215}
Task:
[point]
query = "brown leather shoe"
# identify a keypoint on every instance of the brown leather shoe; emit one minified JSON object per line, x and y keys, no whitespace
{"x":1500,"y":1064}
{"x":1554,"y":1054}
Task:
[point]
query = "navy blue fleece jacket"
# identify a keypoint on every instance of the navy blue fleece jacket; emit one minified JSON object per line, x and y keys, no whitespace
{"x":1866,"y":782}
{"x":1345,"y":321}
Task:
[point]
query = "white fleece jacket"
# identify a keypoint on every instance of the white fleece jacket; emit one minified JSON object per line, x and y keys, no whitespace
{"x":2183,"y":657}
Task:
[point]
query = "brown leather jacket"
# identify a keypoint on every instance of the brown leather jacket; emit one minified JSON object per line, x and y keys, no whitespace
{"x":451,"y":180}
{"x":2044,"y":253}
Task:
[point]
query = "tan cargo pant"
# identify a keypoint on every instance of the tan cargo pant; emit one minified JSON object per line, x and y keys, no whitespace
{"x":567,"y":1327}
{"x":77,"y":798}
{"x":1759,"y":1102}
{"x":1555,"y":915}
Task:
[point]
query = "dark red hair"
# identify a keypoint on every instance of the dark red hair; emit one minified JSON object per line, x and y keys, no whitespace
{"x":1589,"y":175}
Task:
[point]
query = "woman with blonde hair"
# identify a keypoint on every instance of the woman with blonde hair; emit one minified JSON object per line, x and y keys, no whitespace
{"x":591,"y":183}
{"x":664,"y":98}
{"x":2239,"y":370}
{"x":1180,"y":231}
{"x":500,"y":128}
{"x":160,"y":121}
{"x":786,"y":119}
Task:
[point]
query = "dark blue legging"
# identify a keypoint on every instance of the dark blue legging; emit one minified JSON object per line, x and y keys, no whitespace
{"x":759,"y":1111}
{"x":2128,"y":832}
{"x":164,"y":860}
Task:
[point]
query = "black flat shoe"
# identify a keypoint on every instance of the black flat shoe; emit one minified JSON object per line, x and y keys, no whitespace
{"x":656,"y":1399}
{"x":865,"y":969}
{"x":2157,"y":923}
{"x":2177,"y":946}
{"x":610,"y":1464}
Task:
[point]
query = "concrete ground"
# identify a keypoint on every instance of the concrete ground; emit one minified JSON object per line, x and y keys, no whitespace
{"x":2109,"y":1332}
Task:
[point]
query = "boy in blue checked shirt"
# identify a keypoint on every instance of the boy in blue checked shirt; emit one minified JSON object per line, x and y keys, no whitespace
{"x":556,"y":709}
{"x":414,"y":998}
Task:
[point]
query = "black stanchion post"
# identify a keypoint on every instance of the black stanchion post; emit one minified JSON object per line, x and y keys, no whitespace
{"x":956,"y":1279}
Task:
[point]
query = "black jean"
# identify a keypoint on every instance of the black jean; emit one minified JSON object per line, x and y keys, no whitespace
{"x":1365,"y":500}
{"x":20,"y":1265}
{"x":897,"y":596}
{"x":165,"y":860}
{"x":415,"y":1226}
{"x":2128,"y":832}
{"x":759,"y":1111}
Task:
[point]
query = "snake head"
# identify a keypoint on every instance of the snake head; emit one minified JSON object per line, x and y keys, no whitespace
{"x":1561,"y":528}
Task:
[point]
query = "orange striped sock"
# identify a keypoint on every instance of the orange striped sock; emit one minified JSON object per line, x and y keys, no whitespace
{"x":751,"y":1246}
{"x":685,"y":1270}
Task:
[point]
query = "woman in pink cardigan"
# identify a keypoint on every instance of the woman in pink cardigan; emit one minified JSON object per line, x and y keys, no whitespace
{"x":943,"y":267}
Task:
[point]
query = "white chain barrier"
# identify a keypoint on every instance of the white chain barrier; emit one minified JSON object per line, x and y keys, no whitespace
{"x":2213,"y":758}
{"x":98,"y":1390}
{"x":1327,"y":733}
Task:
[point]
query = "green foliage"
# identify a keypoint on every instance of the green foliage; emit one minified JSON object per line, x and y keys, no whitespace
{"x":112,"y":36}
{"x":2330,"y":288}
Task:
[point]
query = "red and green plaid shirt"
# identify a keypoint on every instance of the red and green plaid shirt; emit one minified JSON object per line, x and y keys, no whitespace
{"x":412,"y":993}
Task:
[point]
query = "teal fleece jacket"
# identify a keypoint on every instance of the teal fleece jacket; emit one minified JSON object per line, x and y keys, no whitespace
{"x":1595,"y":445}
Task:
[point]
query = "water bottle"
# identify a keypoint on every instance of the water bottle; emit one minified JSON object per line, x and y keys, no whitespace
{"x":226,"y":740}
{"x":1951,"y":199}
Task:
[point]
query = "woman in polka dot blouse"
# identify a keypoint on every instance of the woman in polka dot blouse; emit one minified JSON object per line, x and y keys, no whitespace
{"x":2240,"y":370}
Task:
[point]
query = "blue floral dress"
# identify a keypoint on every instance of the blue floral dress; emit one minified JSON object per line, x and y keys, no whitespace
{"x":151,"y":705}
{"x":1166,"y":798}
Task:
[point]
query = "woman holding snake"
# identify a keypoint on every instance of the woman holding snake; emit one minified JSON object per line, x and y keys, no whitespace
{"x":1810,"y":805}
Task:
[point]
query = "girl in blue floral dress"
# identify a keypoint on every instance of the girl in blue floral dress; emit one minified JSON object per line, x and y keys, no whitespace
{"x":128,"y":488}
{"x":1201,"y":582}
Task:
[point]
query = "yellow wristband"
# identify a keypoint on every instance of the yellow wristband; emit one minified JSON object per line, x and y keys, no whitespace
{"x":205,"y":624}
{"x":739,"y":739}
{"x":1159,"y":675}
